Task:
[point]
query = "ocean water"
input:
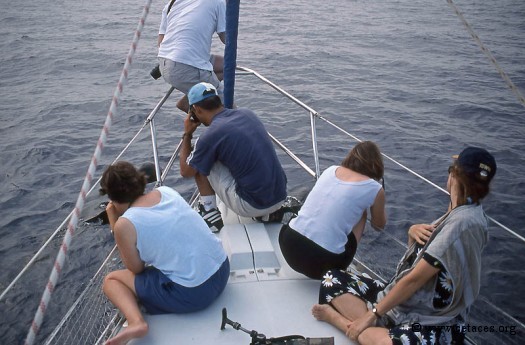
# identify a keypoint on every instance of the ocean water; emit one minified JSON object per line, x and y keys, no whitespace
{"x":405,"y":74}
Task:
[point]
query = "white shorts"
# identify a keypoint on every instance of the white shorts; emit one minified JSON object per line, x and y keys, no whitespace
{"x":183,"y":77}
{"x":224,"y":185}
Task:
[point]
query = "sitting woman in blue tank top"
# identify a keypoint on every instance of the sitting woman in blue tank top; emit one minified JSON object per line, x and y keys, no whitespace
{"x":174,"y":264}
{"x":327,"y":229}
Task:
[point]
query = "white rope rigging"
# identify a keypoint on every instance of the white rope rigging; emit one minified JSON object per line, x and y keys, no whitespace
{"x":62,"y":254}
{"x":487,"y":52}
{"x":75,"y":214}
{"x":507,"y":229}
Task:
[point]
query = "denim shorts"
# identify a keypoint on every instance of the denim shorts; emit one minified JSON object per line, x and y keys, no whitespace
{"x":159,"y":295}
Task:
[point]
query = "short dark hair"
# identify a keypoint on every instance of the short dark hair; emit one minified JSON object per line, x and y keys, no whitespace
{"x":122,"y":182}
{"x":469,"y":186}
{"x":210,"y":103}
{"x":365,"y":158}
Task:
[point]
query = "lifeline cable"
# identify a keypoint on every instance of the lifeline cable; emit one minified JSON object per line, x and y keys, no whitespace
{"x":62,"y":253}
{"x":487,"y":52}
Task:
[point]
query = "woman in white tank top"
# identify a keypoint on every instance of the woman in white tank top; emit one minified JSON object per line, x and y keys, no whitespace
{"x":331,"y":222}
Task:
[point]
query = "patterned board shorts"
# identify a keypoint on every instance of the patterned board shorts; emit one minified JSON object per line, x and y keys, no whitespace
{"x":338,"y":282}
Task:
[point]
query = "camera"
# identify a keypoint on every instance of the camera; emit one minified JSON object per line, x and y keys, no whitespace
{"x":193,"y":118}
{"x":155,"y":72}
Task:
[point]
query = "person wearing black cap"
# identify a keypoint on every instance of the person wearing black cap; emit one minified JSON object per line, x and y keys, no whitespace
{"x":233,"y":158}
{"x":436,"y":281}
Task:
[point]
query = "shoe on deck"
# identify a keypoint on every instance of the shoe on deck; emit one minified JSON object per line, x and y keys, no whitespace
{"x":212,"y":217}
{"x":284,"y":214}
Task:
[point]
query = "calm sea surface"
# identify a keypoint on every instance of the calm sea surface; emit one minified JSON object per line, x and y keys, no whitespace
{"x":405,"y":74}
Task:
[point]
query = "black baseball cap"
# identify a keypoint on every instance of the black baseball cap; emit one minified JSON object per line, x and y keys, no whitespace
{"x":477,"y":162}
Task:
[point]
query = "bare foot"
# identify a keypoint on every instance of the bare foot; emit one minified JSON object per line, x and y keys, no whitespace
{"x":131,"y":332}
{"x":326,"y":313}
{"x":323,"y":312}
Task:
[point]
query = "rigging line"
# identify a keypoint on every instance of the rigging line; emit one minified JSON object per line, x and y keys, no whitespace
{"x":60,"y":227}
{"x":62,"y":253}
{"x":80,"y":298}
{"x":507,"y":315}
{"x":384,"y":155}
{"x":315,"y":113}
{"x":487,"y":52}
{"x":504,"y":227}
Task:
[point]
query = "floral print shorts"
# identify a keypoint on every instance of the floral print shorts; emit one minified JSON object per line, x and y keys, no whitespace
{"x":338,"y":282}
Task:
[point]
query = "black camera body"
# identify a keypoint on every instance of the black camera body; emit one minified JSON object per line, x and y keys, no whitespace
{"x":155,"y":73}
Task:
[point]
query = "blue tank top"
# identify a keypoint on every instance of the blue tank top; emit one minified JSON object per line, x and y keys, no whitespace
{"x":333,"y":208}
{"x":174,"y":238}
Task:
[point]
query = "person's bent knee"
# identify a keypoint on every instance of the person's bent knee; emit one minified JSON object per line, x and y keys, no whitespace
{"x":108,"y":281}
{"x":375,"y":336}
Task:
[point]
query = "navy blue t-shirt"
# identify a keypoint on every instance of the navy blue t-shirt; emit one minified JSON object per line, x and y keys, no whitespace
{"x":238,"y":139}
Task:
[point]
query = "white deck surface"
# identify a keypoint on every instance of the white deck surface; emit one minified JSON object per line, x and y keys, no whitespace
{"x":263,"y":294}
{"x":273,"y":308}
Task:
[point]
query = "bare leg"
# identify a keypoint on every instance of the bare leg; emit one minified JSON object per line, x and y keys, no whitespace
{"x":350,"y":306}
{"x":370,"y":336}
{"x":218,"y":66}
{"x":375,"y":336}
{"x":204,"y":185}
{"x":325,"y":312}
{"x":119,"y":287}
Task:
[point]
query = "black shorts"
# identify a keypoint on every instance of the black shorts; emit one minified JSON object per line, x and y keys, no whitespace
{"x":307,"y":257}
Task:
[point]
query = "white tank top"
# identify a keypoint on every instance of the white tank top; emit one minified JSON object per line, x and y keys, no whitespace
{"x":174,"y":238}
{"x":333,"y":208}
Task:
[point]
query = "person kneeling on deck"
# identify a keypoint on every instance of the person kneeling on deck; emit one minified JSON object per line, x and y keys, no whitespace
{"x":332,"y":220}
{"x":174,"y":264}
{"x":437,"y":280}
{"x":234,"y":158}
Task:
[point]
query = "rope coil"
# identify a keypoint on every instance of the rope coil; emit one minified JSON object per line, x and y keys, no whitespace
{"x":62,"y":254}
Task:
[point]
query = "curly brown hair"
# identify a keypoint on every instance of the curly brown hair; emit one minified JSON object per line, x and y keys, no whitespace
{"x":122,"y":182}
{"x":365,"y":158}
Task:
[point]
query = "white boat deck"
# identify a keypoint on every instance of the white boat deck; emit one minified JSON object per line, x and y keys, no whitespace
{"x":263,"y":294}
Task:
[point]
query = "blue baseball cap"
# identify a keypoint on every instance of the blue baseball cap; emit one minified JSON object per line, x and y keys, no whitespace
{"x":201,"y":91}
{"x":478,"y":162}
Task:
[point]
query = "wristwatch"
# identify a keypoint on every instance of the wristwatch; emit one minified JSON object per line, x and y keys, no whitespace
{"x":376,"y":313}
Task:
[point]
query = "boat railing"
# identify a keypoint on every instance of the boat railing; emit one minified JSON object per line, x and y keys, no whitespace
{"x":315,"y":115}
{"x":163,"y":173}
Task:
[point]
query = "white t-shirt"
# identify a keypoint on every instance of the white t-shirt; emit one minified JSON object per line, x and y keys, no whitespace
{"x":174,"y":238}
{"x":188,"y":31}
{"x":333,"y":208}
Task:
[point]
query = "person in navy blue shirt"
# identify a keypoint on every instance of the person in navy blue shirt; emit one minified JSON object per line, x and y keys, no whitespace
{"x":233,"y":159}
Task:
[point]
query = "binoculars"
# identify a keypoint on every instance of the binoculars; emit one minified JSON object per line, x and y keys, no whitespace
{"x":155,"y":72}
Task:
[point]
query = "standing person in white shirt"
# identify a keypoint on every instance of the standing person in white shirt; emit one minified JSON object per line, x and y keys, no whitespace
{"x":185,"y":36}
